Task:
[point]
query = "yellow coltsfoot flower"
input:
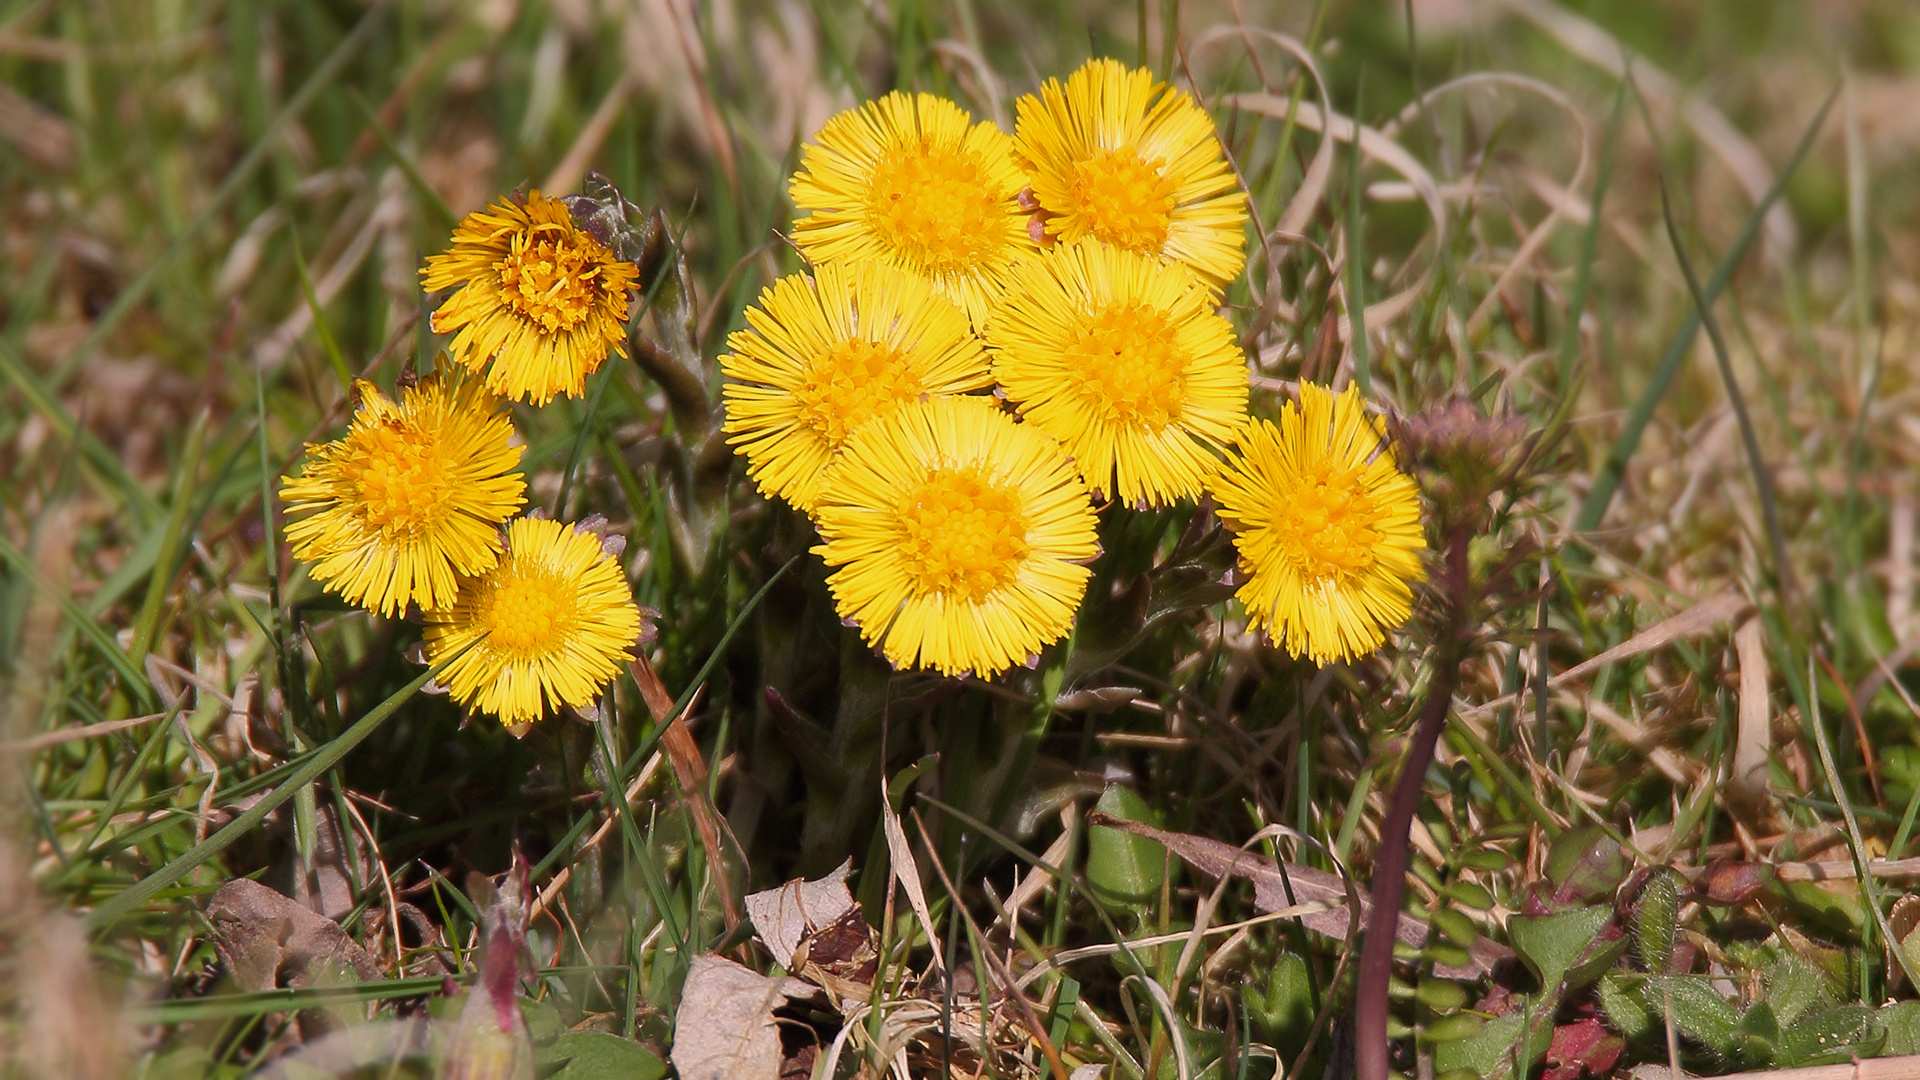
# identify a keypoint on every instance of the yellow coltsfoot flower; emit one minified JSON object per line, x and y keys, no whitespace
{"x":959,"y":537}
{"x":908,"y":181}
{"x":1118,"y":156}
{"x":541,"y":303}
{"x":1327,"y":528}
{"x":1122,"y":358}
{"x":412,"y":496}
{"x":548,"y":626}
{"x":826,"y":355}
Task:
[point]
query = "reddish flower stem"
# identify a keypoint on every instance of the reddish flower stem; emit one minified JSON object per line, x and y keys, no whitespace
{"x":1390,"y":866}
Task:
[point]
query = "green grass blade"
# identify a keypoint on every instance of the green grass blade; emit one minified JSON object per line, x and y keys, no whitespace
{"x":321,"y":330}
{"x":226,"y":1006}
{"x":1594,"y":509}
{"x":1856,"y":844}
{"x":64,"y":425}
{"x":447,"y":218}
{"x":1762,"y":476}
{"x":130,"y":674}
{"x":322,"y":759}
{"x":146,"y":624}
{"x":700,"y":677}
{"x":1590,"y":245}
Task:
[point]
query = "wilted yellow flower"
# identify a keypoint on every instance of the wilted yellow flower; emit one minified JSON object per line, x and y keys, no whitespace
{"x":958,"y":534}
{"x":413,"y":495}
{"x":1327,"y":528}
{"x":907,"y":182}
{"x":1122,"y":358}
{"x":1132,"y":162}
{"x":826,"y":355}
{"x":549,"y":626}
{"x":539,"y":299}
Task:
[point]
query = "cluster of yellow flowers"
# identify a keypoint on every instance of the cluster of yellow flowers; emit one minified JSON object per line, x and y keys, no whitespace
{"x":997,"y":331}
{"x":412,"y":506}
{"x":1074,"y":269}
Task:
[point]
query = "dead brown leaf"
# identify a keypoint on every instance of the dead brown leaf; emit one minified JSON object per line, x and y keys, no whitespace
{"x":785,"y":916}
{"x":725,"y":1029}
{"x":268,"y":941}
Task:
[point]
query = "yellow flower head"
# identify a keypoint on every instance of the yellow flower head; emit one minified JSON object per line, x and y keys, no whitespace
{"x":1327,"y":528}
{"x":411,"y":496}
{"x":541,"y":300}
{"x":1122,"y":358}
{"x":1119,"y":157}
{"x":958,"y":534}
{"x":907,"y":182}
{"x":550,"y":625}
{"x":825,"y":356}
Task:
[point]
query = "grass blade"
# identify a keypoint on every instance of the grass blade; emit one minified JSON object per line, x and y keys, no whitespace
{"x":1762,"y":476}
{"x":322,"y":759}
{"x":130,"y":674}
{"x":96,"y":452}
{"x":171,"y":541}
{"x":320,"y":328}
{"x":1607,"y":481}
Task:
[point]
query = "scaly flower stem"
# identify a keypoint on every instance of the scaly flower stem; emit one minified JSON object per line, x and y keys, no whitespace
{"x":1390,"y":867}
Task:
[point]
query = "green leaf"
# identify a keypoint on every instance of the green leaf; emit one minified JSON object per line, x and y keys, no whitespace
{"x":1794,"y":986}
{"x":1586,"y":863}
{"x":1283,"y":1011}
{"x":1470,"y":896}
{"x":544,"y":1024}
{"x":1457,"y":927}
{"x":1831,"y":1037}
{"x":1620,"y":997}
{"x":1488,"y":1051}
{"x":1441,"y":995}
{"x":1757,"y":1038}
{"x":1828,"y":913}
{"x":1126,"y":871}
{"x":1656,"y":912}
{"x":1553,"y":944}
{"x":1489,"y":859}
{"x":1455,"y":1027}
{"x":1698,"y":1009}
{"x":1900,"y":1026}
{"x":596,"y":1055}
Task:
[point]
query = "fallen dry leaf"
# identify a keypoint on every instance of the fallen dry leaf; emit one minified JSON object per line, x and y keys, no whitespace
{"x":724,"y":1029}
{"x":816,"y":930}
{"x":785,"y":915}
{"x":269,"y":941}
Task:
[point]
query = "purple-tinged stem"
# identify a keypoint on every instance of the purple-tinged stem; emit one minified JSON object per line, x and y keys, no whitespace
{"x":1390,"y":866}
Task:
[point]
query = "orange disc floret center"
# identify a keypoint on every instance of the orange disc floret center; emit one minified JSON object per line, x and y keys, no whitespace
{"x":1324,"y":526}
{"x":851,"y":383}
{"x":551,"y":276}
{"x":1122,"y":200}
{"x":934,"y":206}
{"x":965,"y":535}
{"x":401,"y":476}
{"x":528,"y":615}
{"x":1129,"y":365}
